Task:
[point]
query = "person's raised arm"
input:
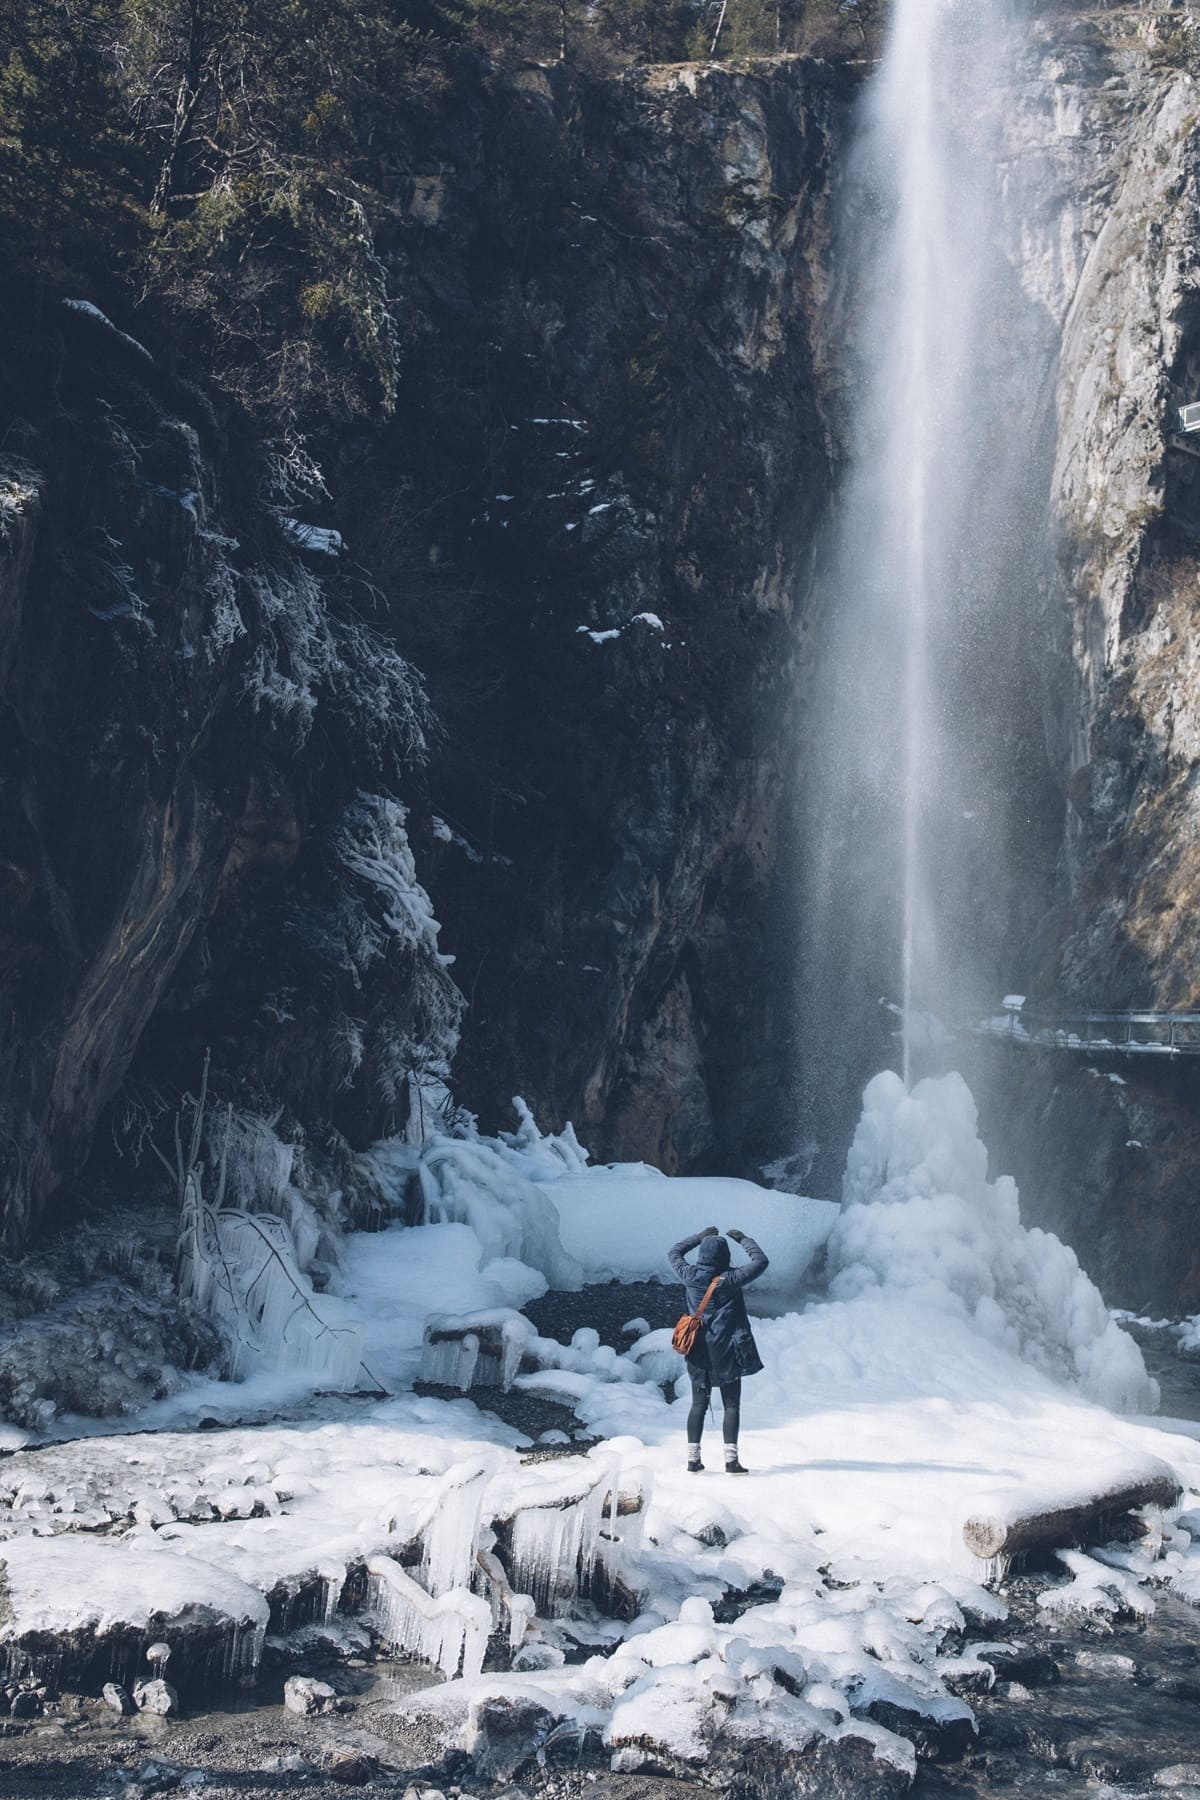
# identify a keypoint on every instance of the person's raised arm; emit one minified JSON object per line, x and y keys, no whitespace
{"x":757,"y":1265}
{"x":677,"y":1254}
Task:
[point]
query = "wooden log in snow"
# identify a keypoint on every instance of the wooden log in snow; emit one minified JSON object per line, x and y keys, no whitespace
{"x":1080,"y":1512}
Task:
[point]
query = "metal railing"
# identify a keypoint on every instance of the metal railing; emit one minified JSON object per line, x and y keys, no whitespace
{"x":1099,"y":1033}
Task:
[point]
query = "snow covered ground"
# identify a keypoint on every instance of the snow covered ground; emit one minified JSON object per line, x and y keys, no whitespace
{"x":955,"y":1368}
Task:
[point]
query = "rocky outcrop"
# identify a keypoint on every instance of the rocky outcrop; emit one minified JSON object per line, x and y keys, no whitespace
{"x":1101,"y":188}
{"x":1106,"y":183}
{"x":192,"y":735}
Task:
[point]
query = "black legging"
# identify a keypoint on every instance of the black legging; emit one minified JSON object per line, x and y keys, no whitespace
{"x":731,"y":1400}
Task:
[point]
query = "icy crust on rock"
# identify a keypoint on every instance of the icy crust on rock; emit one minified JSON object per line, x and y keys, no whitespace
{"x":920,"y":1216}
{"x":68,"y":1583}
{"x":500,"y":1348}
{"x":425,"y":1499}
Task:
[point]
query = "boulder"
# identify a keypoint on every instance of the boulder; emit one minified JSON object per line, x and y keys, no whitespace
{"x":352,"y":1767}
{"x":826,"y":1769}
{"x":1027,"y":1668}
{"x":156,"y":1696}
{"x":81,"y":1608}
{"x":941,"y":1739}
{"x":503,"y":1735}
{"x":303,"y":1695}
{"x":118,"y":1697}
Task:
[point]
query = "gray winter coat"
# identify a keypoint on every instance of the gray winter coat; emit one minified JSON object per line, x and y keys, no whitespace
{"x":724,"y":1349}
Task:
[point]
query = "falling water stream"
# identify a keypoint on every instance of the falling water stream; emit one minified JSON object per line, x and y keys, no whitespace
{"x":912,"y":778}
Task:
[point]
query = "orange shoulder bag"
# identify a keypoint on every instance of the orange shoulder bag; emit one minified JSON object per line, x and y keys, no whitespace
{"x":688,"y":1329}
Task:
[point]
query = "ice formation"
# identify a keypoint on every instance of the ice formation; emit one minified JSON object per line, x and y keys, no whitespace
{"x":240,"y":1267}
{"x":920,"y":1217}
{"x":450,"y":1630}
{"x":931,"y":1377}
{"x":533,"y":1200}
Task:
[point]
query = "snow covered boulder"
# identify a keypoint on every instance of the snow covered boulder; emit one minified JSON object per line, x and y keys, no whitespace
{"x":85,"y":1610}
{"x":480,"y":1349}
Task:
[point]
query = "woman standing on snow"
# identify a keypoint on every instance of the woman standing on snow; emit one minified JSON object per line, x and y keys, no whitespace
{"x":724,"y":1349}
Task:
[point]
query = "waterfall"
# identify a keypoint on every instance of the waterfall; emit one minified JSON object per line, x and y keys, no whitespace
{"x":925,"y":717}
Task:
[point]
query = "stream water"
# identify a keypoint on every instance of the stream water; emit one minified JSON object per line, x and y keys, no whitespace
{"x":1099,"y":1709}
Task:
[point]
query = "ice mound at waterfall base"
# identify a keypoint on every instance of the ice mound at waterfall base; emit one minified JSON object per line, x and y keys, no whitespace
{"x":920,"y":1215}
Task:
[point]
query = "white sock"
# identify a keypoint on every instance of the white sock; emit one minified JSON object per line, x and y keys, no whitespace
{"x":693,"y":1453}
{"x":731,"y":1454}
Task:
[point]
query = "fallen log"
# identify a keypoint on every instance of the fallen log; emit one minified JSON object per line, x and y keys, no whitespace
{"x":1077,"y":1512}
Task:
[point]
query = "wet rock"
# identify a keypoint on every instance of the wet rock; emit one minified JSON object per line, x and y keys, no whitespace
{"x":826,"y":1769}
{"x":1099,"y":1764}
{"x":1108,"y":1663}
{"x":571,"y":1746}
{"x":505,"y":1735}
{"x":1029,"y":1668}
{"x":646,"y":1758}
{"x":25,"y":1704}
{"x":156,"y":1778}
{"x":287,"y":1765}
{"x":157,"y":1696}
{"x":939,"y":1740}
{"x":1177,"y":1687}
{"x":352,"y":1767}
{"x":118,"y":1698}
{"x":303,"y":1695}
{"x":423,"y":1793}
{"x":1179,"y":1775}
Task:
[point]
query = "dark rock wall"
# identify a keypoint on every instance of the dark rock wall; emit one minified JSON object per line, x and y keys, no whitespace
{"x":609,"y":466}
{"x":188,"y":720}
{"x":587,"y":526}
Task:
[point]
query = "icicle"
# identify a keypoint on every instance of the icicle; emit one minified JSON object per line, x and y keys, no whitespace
{"x":452,"y":1535}
{"x":520,"y":1609}
{"x":450,"y":1361}
{"x":451,"y":1630}
{"x":479,"y":1349}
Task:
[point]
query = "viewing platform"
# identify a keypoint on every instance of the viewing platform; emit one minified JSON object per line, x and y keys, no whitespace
{"x":1097,"y":1033}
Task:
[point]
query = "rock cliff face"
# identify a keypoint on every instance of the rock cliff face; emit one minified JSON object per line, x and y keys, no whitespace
{"x":588,"y":527}
{"x":193,"y":725}
{"x":613,"y":458}
{"x":1101,"y":193}
{"x":1109,"y":132}
{"x":592,"y":527}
